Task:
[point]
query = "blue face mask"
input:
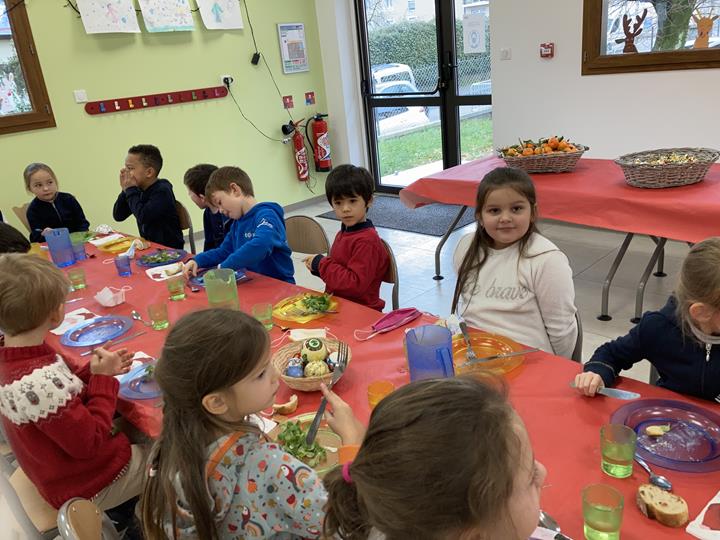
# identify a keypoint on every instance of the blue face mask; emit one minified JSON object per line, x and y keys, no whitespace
{"x":389,"y":321}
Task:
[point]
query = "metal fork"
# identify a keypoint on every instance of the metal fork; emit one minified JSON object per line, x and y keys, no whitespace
{"x":469,"y":353}
{"x":339,"y":369}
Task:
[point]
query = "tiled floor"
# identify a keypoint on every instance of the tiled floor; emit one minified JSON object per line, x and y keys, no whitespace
{"x":590,"y":251}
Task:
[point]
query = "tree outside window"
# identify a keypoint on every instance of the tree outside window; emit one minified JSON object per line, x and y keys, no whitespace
{"x":24,"y":102}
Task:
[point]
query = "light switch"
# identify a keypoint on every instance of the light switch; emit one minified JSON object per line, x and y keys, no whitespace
{"x":80,"y":96}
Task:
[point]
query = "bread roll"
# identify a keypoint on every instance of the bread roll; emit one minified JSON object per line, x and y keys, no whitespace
{"x":667,"y":508}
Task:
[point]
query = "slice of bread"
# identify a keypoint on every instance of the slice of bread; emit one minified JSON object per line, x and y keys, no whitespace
{"x":667,"y":508}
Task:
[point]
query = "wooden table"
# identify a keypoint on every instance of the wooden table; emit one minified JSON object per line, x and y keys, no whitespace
{"x":595,"y":194}
{"x":564,"y":426}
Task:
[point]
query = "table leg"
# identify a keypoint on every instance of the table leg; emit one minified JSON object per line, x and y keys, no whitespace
{"x":440,"y":245}
{"x":643,"y":280}
{"x":661,"y":261}
{"x":610,"y":275}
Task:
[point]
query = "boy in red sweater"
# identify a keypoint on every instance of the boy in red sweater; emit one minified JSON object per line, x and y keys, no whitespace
{"x":59,"y":423}
{"x":358,"y":259}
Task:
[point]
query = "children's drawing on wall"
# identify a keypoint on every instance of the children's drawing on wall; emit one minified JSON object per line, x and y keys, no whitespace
{"x":220,"y":14}
{"x":108,"y":16}
{"x":167,"y":15}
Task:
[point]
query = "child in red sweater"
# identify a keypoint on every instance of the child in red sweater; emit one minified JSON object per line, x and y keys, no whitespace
{"x":59,"y":423}
{"x":358,"y":259}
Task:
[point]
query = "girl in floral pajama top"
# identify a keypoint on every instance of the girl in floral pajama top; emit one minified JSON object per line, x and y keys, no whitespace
{"x":212,"y":475}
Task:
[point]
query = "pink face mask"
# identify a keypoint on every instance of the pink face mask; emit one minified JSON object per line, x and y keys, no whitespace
{"x":389,"y":321}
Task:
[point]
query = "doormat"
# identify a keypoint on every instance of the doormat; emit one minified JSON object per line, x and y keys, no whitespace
{"x":433,"y":219}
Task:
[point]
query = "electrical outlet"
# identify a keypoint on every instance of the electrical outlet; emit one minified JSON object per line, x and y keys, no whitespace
{"x":226,"y":80}
{"x":506,"y":54}
{"x":80,"y":96}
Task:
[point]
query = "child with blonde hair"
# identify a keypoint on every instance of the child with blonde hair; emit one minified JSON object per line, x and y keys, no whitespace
{"x":50,"y":209}
{"x":681,"y":340}
{"x":212,"y":473}
{"x":428,"y":469}
{"x":512,"y":280}
{"x":58,"y":422}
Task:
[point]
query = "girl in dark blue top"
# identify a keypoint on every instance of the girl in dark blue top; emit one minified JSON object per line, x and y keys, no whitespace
{"x":50,"y":209}
{"x":682,"y":340}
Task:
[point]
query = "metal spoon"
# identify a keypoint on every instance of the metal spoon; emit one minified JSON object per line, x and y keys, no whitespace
{"x":655,"y":479}
{"x":547,"y":521}
{"x":135,"y":315}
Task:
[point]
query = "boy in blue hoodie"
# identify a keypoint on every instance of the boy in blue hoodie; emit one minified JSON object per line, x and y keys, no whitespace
{"x":148,"y":198}
{"x":256,"y":240}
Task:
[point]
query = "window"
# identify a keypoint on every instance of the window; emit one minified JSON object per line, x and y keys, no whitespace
{"x":24,"y":102}
{"x":635,"y":35}
{"x":388,"y":3}
{"x":411,"y":5}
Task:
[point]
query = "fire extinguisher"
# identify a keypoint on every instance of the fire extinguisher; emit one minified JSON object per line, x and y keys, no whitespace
{"x":319,"y":142}
{"x":299,"y":150}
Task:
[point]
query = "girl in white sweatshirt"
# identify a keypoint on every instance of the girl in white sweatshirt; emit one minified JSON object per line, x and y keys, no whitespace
{"x":511,"y":280}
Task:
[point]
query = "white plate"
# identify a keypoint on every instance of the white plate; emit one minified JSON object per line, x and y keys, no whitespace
{"x":160,"y":273}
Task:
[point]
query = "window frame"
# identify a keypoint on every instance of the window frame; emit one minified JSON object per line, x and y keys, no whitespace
{"x":41,"y":115}
{"x":595,"y":63}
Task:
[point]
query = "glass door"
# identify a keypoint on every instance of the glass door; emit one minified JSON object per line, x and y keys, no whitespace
{"x":426,"y":85}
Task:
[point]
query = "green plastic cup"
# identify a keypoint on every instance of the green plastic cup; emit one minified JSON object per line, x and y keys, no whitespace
{"x":617,"y":445}
{"x":158,"y":315}
{"x":221,"y":288}
{"x":176,"y":287}
{"x":77,"y":278}
{"x":263,"y":313}
{"x":602,"y":512}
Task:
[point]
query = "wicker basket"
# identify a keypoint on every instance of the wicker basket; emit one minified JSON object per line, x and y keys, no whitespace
{"x":667,"y":174}
{"x":547,"y":163}
{"x":305,"y":384}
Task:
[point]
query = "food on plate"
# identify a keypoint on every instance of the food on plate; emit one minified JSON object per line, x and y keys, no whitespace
{"x":292,"y":439}
{"x":161,"y":256}
{"x":657,"y":430}
{"x":316,"y":303}
{"x":665,"y":507}
{"x":316,"y":369}
{"x":314,"y":350}
{"x":288,"y":407}
{"x":551,"y":145}
{"x":671,"y":158}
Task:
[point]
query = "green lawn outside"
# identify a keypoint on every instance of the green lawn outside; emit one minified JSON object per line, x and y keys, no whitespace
{"x":420,"y":147}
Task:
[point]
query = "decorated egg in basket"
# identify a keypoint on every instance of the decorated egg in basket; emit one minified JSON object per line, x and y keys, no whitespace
{"x":316,"y":369}
{"x":314,"y":350}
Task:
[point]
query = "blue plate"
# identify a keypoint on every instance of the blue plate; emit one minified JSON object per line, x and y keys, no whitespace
{"x":136,"y":384}
{"x":147,"y":262}
{"x":96,"y":331}
{"x":199,"y":280}
{"x":691,"y":445}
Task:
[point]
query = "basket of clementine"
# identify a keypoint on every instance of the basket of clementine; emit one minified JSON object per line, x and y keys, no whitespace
{"x":552,"y":155}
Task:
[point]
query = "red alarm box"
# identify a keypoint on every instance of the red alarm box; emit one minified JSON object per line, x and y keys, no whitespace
{"x":547,"y":50}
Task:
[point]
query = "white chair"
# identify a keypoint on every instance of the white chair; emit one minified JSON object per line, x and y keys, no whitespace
{"x":306,"y":235}
{"x":577,"y":351}
{"x":80,"y":519}
{"x":391,"y":276}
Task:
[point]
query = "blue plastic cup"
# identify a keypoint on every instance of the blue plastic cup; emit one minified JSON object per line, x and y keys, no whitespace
{"x":429,"y":352}
{"x":122,"y":263}
{"x":79,"y":251}
{"x":60,"y":247}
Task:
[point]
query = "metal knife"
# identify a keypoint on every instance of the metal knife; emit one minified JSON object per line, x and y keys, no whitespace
{"x":113,"y":342}
{"x":614,"y":392}
{"x":502,"y":355}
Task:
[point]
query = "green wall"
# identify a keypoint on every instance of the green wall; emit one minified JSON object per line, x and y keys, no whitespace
{"x":87,"y":152}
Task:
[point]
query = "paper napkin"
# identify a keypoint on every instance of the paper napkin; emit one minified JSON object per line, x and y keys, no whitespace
{"x":707,"y":525}
{"x":73,"y":318}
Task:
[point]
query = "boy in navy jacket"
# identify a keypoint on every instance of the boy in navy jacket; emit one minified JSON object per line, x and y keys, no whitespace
{"x":215,"y":224}
{"x":256,"y":240}
{"x":358,"y":259}
{"x":149,"y":199}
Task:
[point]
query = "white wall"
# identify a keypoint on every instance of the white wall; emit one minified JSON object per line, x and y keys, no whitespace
{"x":341,"y":60}
{"x":613,"y":114}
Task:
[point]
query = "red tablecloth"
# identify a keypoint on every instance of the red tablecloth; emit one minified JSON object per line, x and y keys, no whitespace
{"x":564,"y":427}
{"x":594,"y":194}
